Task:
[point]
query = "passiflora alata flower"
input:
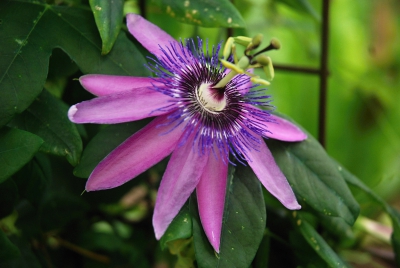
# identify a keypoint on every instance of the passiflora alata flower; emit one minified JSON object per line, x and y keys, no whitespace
{"x":205,"y":111}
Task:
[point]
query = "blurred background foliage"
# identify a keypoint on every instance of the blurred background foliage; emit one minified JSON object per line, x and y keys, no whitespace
{"x":113,"y":228}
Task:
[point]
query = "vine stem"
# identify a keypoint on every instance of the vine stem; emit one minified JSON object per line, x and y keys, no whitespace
{"x":323,"y":86}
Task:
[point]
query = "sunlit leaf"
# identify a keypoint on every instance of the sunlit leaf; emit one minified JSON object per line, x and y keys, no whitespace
{"x":180,"y":228}
{"x":103,"y":143}
{"x":47,"y":118}
{"x":315,"y":178}
{"x":29,"y":33}
{"x":302,"y":6}
{"x":205,"y":13}
{"x":17,"y":147}
{"x":108,"y":16}
{"x":243,"y":225}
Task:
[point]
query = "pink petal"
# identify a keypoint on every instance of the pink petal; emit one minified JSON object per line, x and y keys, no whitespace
{"x":148,"y":34}
{"x":100,"y":84}
{"x":135,"y":155}
{"x":121,"y":107}
{"x":263,"y":164}
{"x":211,"y":199}
{"x":284,"y":130}
{"x":179,"y":181}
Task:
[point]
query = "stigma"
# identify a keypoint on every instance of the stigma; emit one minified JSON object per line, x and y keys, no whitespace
{"x":211,"y":99}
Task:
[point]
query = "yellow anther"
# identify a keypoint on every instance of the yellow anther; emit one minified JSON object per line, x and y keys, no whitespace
{"x":263,"y":60}
{"x":243,"y":40}
{"x":269,"y":70}
{"x":232,"y":66}
{"x":275,"y":43}
{"x":255,"y":42}
{"x":228,"y":47}
{"x":258,"y":80}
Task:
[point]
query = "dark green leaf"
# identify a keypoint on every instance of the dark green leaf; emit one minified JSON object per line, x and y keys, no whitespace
{"x":32,"y":180}
{"x":47,"y":118}
{"x":102,"y":144}
{"x":243,"y":225}
{"x":59,"y":208}
{"x":318,"y":243}
{"x":302,"y":6}
{"x":393,"y":214}
{"x":180,"y":228}
{"x":25,"y":52}
{"x":336,"y":226}
{"x":262,"y":257}
{"x":108,"y":16}
{"x":8,"y":250}
{"x":8,"y":197}
{"x":25,"y":258}
{"x":304,"y":254}
{"x":17,"y":147}
{"x":315,"y":178}
{"x":205,"y":13}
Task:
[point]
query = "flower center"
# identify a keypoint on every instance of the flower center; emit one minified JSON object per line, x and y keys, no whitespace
{"x":211,"y":99}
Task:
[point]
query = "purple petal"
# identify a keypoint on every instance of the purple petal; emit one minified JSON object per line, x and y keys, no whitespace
{"x":135,"y":155}
{"x":263,"y":164}
{"x":100,"y":84}
{"x":211,"y":199}
{"x":243,"y":89}
{"x":148,"y":34}
{"x":121,"y":107}
{"x":284,"y":130}
{"x":179,"y":181}
{"x":279,"y":128}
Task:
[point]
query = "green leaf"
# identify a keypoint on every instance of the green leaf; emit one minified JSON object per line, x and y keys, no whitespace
{"x":108,"y":16}
{"x":302,"y":6}
{"x":103,"y":143}
{"x":8,"y":197}
{"x":320,"y":246}
{"x":393,"y":214}
{"x":8,"y":250}
{"x":29,"y":33}
{"x":47,"y":118}
{"x":205,"y":13}
{"x":243,"y":224}
{"x":180,"y":228}
{"x":17,"y":147}
{"x":314,"y":178}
